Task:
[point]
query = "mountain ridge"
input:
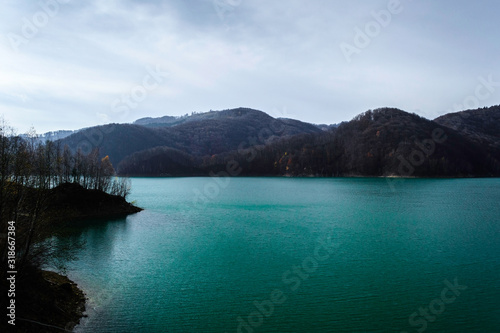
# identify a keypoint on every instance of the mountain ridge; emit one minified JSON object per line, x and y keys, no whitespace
{"x":374,"y":143}
{"x":202,"y":134}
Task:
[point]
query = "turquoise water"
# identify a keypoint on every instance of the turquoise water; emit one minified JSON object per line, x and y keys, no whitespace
{"x":295,"y":255}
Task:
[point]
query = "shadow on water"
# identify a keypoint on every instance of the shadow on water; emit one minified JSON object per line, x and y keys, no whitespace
{"x":95,"y":236}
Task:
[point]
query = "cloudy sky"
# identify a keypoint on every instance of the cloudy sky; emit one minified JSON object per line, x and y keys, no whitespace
{"x":68,"y":64}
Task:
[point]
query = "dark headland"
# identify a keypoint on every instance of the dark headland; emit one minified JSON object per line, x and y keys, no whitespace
{"x":47,"y":301}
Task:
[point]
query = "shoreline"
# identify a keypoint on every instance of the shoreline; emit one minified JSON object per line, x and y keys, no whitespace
{"x":316,"y":176}
{"x":49,"y":301}
{"x":77,"y":299}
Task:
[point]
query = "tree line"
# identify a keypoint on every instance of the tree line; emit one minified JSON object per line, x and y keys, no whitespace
{"x":382,"y":142}
{"x":29,"y":171}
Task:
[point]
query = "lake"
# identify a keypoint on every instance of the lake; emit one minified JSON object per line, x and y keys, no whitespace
{"x":295,"y":255}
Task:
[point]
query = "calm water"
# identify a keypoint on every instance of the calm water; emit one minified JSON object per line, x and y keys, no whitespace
{"x":296,"y":255}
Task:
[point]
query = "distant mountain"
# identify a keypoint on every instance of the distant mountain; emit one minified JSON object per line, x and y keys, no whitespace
{"x":199,"y":135}
{"x":51,"y":136}
{"x":326,"y":127}
{"x":382,"y":142}
{"x":169,"y":121}
{"x":481,"y":125}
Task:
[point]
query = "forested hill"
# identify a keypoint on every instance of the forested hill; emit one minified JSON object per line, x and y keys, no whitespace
{"x":382,"y":142}
{"x":198,"y":135}
{"x":481,"y":126}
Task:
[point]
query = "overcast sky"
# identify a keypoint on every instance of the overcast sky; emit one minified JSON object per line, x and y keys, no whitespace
{"x":69,"y":64}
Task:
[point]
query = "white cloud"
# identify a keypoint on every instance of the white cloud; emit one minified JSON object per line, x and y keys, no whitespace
{"x":262,"y":54}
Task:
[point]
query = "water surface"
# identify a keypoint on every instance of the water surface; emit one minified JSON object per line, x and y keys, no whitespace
{"x":215,"y":261}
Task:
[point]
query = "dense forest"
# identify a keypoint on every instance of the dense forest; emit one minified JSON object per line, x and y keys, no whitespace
{"x":199,"y":135}
{"x":382,"y":142}
{"x":481,"y":126}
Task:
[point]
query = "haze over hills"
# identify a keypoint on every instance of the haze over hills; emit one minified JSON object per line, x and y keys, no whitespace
{"x":51,"y":136}
{"x":383,"y":142}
